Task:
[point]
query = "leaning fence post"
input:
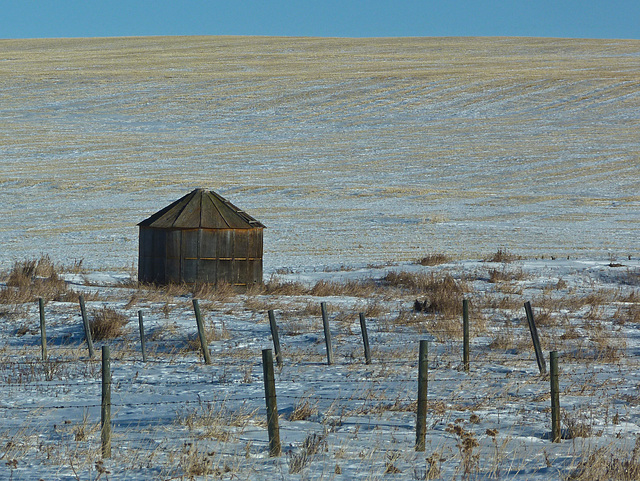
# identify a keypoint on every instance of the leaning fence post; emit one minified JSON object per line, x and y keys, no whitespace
{"x":465,"y":330}
{"x":105,"y":411}
{"x":556,"y":433}
{"x":43,"y":329}
{"x":327,"y":332}
{"x":272,"y":405}
{"x":275,"y":336}
{"x":536,"y":340}
{"x":365,"y":339}
{"x":421,"y":418}
{"x":201,"y":333}
{"x":85,"y":323}
{"x":143,"y":346}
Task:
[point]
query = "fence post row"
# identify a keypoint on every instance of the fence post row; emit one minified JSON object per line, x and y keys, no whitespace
{"x":465,"y":330}
{"x":421,"y":417}
{"x":365,"y":339}
{"x":272,"y":405}
{"x":327,"y":332}
{"x":105,"y":411}
{"x":556,"y":432}
{"x":203,"y":338}
{"x":87,"y":328}
{"x":142,"y":341}
{"x":536,"y":340}
{"x":43,"y":329}
{"x":275,"y":336}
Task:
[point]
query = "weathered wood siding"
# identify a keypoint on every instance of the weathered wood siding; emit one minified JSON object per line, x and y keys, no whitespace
{"x":201,"y":255}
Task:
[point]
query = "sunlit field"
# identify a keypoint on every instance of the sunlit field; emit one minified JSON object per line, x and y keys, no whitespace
{"x":348,"y":150}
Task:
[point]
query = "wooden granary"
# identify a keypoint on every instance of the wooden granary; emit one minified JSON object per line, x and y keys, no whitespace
{"x":200,"y":238}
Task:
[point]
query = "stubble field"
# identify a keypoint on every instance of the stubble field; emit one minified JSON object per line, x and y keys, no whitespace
{"x":511,"y":164}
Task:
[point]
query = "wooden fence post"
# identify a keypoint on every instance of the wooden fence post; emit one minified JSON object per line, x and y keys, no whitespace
{"x":142,"y":340}
{"x":201,"y":333}
{"x":365,"y":339}
{"x":465,"y":329}
{"x":87,"y":328}
{"x":556,"y":432}
{"x":105,"y":411}
{"x":272,"y":405}
{"x":327,"y":332}
{"x":43,"y":329}
{"x":275,"y":336}
{"x":421,"y":418}
{"x":536,"y":340}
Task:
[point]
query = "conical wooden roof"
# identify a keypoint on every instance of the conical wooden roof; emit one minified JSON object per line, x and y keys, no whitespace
{"x":201,"y":209}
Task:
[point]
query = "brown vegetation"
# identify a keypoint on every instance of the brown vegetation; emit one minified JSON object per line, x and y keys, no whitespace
{"x":107,"y":324}
{"x":30,"y":279}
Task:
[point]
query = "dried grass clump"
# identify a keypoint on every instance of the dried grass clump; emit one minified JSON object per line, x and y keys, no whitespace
{"x":220,"y":291}
{"x":214,"y":420}
{"x":312,"y":445}
{"x":609,"y":463}
{"x":443,"y":293}
{"x":325,"y":288}
{"x":502,"y":256}
{"x":506,"y":275}
{"x":577,"y":426}
{"x":434,"y":260}
{"x":107,"y":324}
{"x":276,"y":286}
{"x":30,"y":279}
{"x":303,"y":410}
{"x":629,"y":313}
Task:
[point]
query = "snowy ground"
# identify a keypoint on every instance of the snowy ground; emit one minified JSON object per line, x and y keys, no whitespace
{"x":360,"y":156}
{"x":174,"y":416}
{"x":350,"y":151}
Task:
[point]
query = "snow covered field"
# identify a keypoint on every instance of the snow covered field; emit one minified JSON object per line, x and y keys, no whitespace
{"x":176,"y":417}
{"x":360,"y":157}
{"x":348,"y":150}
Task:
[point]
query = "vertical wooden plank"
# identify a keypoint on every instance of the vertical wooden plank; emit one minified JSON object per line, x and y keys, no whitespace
{"x":142,"y":340}
{"x":327,"y":332}
{"x":465,"y":329}
{"x":556,"y":433}
{"x":43,"y":329}
{"x":365,"y":339}
{"x":105,"y":411}
{"x":421,"y":417}
{"x":87,"y":328}
{"x":272,"y":405}
{"x":275,"y":336}
{"x":536,"y":340}
{"x":201,"y":333}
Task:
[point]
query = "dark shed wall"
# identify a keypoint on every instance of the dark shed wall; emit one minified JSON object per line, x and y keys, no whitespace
{"x":200,"y":255}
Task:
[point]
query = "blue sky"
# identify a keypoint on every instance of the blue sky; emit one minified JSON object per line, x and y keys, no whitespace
{"x":321,"y":18}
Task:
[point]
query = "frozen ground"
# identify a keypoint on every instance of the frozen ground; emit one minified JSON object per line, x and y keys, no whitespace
{"x":349,"y":150}
{"x":359,"y":156}
{"x":176,"y":417}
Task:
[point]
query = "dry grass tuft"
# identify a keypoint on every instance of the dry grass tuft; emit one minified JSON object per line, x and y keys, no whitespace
{"x":221,"y":291}
{"x":107,"y":324}
{"x":350,"y":288}
{"x":276,"y":286}
{"x":303,"y":410}
{"x":434,"y":260}
{"x":502,"y":256}
{"x":506,"y":275}
{"x":28,"y":280}
{"x":609,"y":463}
{"x":312,"y":445}
{"x":443,"y":293}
